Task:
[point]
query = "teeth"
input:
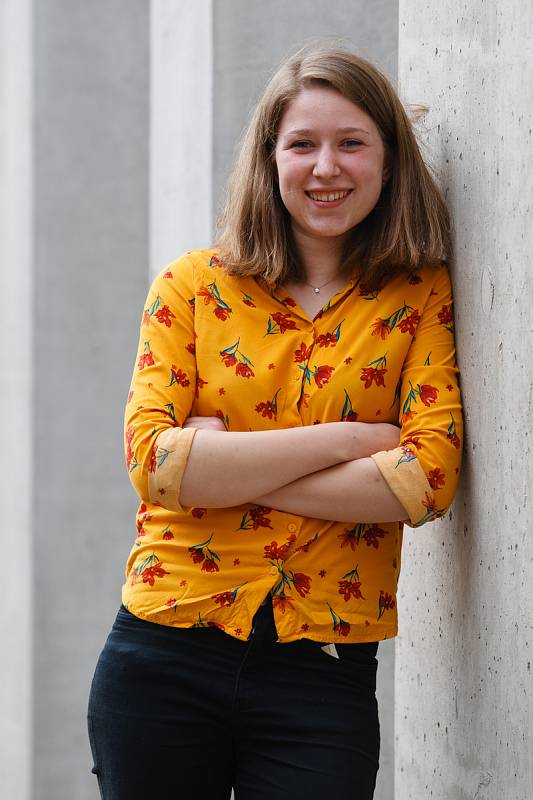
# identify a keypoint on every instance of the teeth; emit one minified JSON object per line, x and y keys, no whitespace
{"x":327,"y":196}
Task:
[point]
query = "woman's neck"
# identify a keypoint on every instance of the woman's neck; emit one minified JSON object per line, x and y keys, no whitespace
{"x":319,"y":258}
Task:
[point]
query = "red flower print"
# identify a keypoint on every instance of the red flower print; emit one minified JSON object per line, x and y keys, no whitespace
{"x":304,"y":628}
{"x":272,"y":366}
{"x":303,"y":401}
{"x":153,"y":460}
{"x":282,"y":602}
{"x":303,"y":353}
{"x":408,"y":324}
{"x":302,"y":583}
{"x":171,"y":602}
{"x":222,"y":313}
{"x":351,"y":536}
{"x":243,"y":370}
{"x":371,"y":375}
{"x":445,"y":315}
{"x":183,"y":583}
{"x":167,"y":534}
{"x":322,"y":375}
{"x":276,"y":552}
{"x":167,"y":274}
{"x":224,"y":598}
{"x":254,"y":518}
{"x":191,"y":347}
{"x":340,"y":625}
{"x":349,"y":588}
{"x":289,"y":302}
{"x":149,"y":574}
{"x":322,"y":573}
{"x":414,"y":440}
{"x":202,"y":554}
{"x":454,"y":439}
{"x":266,"y":409}
{"x":248,"y":300}
{"x":145,"y":360}
{"x":428,"y":394}
{"x":385,"y":603}
{"x":406,"y":416}
{"x":449,"y":387}
{"x":372,"y":534}
{"x":221,"y":391}
{"x":236,"y":562}
{"x":436,"y":478}
{"x":210,"y":565}
{"x":229,"y":359}
{"x":198,"y":512}
{"x":348,"y":360}
{"x":178,"y":376}
{"x":197,"y":556}
{"x":326,"y":339}
{"x":200,"y":383}
{"x":165,"y":316}
{"x":380,"y":328}
{"x":283,"y":321}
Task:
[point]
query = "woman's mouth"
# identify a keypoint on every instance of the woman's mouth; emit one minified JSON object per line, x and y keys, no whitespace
{"x":329,"y":199}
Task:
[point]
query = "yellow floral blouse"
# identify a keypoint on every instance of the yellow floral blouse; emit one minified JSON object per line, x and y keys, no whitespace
{"x":217,"y":345}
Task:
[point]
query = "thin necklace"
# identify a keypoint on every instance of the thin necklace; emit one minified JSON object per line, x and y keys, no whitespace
{"x":318,"y":288}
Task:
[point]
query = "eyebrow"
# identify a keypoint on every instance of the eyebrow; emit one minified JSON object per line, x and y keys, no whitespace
{"x":308,"y":131}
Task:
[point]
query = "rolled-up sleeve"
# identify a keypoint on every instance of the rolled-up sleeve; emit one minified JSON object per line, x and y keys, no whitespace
{"x":423,"y":471}
{"x":163,"y":388}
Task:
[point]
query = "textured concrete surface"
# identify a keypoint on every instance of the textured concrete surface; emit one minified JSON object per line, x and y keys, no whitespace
{"x":463,"y":679}
{"x":16,"y":384}
{"x":183,"y":132}
{"x":91,"y":262}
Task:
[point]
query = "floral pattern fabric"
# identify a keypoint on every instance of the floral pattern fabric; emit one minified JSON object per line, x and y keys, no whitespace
{"x":217,"y":345}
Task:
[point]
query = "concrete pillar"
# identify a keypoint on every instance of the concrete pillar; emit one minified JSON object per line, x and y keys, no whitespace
{"x":463,"y":678}
{"x":16,"y":417}
{"x":74,"y":256}
{"x":210,"y":62}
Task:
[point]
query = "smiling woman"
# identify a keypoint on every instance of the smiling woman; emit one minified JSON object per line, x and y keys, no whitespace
{"x":269,"y":531}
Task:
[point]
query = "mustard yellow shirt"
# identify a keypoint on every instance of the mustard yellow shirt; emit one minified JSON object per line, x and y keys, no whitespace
{"x":217,"y":345}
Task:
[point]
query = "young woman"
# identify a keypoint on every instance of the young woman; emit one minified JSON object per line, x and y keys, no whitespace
{"x":262,"y":437}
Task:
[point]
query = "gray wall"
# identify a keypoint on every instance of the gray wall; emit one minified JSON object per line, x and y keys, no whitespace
{"x":90,"y":271}
{"x":463,"y":672}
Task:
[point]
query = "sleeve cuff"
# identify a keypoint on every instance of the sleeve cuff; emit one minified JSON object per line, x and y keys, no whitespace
{"x":406,"y":479}
{"x":169,"y":459}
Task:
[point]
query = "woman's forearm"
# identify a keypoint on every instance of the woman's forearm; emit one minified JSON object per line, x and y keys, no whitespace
{"x":227,"y":468}
{"x":354,"y":491}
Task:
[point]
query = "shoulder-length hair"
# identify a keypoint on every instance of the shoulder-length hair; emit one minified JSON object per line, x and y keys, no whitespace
{"x":408,"y":228}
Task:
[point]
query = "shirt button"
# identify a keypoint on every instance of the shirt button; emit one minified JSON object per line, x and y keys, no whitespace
{"x":291,"y":527}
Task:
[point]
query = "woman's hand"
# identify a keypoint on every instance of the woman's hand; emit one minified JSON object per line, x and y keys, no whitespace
{"x":205,"y":423}
{"x":367,"y":438}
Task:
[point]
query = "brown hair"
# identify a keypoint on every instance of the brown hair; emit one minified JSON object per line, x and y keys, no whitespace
{"x":408,"y":228}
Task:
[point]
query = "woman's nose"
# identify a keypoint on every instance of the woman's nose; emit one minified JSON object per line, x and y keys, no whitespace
{"x":326,"y":163}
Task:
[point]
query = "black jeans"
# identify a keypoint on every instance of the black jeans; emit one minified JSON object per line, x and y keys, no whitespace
{"x":191,"y":713}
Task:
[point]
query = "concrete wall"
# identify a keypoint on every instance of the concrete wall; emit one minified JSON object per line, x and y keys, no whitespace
{"x":89,"y":283}
{"x":463,"y":671}
{"x":16,"y":392}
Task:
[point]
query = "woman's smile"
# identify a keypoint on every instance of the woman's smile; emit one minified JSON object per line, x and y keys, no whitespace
{"x":329,"y":158}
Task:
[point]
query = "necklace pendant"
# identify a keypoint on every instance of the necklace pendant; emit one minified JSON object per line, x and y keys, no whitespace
{"x":317,"y":290}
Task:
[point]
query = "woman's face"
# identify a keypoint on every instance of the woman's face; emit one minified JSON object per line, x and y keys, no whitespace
{"x":329,"y":157}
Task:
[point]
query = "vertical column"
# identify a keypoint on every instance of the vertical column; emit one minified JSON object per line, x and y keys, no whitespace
{"x":90,"y":280}
{"x":181,"y":128}
{"x":463,"y":685}
{"x":16,"y":417}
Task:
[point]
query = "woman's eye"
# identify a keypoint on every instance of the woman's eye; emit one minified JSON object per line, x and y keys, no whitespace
{"x":352,"y":143}
{"x":301,"y":145}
